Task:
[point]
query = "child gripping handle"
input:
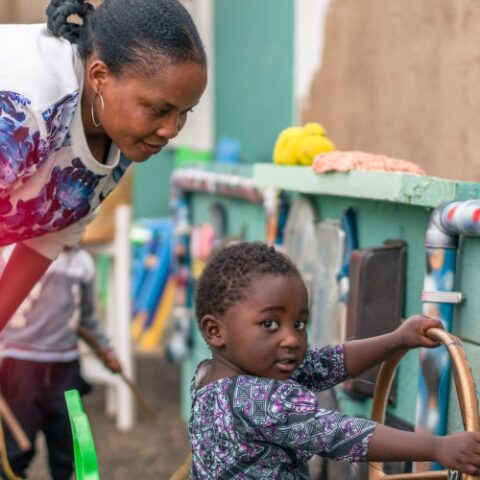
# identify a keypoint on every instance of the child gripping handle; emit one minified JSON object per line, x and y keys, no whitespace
{"x":254,"y":411}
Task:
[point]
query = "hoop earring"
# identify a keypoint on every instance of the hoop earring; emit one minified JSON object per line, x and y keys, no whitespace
{"x":99,"y":122}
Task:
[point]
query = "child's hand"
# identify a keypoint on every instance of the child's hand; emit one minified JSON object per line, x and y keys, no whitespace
{"x":111,"y":361}
{"x":460,"y":451}
{"x":411,"y":333}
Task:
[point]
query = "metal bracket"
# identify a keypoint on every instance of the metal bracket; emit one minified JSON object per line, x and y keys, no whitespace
{"x":442,"y":297}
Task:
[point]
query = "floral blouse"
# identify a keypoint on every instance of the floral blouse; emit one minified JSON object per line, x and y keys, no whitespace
{"x":50,"y":183}
{"x":247,"y":427}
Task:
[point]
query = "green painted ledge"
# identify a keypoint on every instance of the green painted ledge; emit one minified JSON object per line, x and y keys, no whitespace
{"x":390,"y":187}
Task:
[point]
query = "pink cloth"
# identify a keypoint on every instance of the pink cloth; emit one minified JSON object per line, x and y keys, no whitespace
{"x":356,"y":160}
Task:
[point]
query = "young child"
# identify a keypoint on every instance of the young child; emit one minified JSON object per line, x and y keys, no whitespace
{"x":40,"y":359}
{"x":254,"y":413}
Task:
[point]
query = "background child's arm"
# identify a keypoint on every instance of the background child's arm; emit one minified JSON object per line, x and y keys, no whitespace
{"x":360,"y":355}
{"x":460,"y":451}
{"x":23,"y":270}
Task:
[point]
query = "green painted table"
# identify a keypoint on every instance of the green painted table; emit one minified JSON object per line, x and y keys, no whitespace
{"x":388,"y":205}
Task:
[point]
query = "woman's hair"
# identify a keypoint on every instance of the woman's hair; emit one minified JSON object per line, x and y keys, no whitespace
{"x":128,"y":33}
{"x":228,"y":274}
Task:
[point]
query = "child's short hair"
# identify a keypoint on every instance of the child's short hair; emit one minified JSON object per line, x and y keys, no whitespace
{"x":229,"y":272}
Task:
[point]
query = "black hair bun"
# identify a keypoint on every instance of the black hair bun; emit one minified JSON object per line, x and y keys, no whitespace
{"x":58,"y":13}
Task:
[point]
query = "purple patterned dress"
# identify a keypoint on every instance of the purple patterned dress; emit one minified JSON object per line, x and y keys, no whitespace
{"x":247,"y":427}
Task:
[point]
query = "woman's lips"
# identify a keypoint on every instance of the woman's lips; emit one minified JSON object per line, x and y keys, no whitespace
{"x":151,"y":149}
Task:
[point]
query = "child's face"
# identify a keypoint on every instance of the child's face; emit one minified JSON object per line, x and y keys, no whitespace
{"x":265,"y":334}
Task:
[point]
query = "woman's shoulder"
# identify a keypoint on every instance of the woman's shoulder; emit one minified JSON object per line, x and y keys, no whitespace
{"x":38,"y":66}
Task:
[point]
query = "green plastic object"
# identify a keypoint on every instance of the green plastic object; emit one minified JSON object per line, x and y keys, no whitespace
{"x":86,"y":465}
{"x":185,"y":156}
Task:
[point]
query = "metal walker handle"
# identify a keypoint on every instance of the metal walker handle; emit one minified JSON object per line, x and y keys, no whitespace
{"x":465,"y":387}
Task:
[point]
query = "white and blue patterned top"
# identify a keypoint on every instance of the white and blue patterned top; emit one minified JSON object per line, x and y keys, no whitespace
{"x":50,"y":183}
{"x":245,"y":427}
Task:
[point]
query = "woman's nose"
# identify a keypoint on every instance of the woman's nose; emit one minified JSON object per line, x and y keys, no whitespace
{"x":170,"y":126}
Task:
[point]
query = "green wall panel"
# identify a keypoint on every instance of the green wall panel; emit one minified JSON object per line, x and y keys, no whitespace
{"x":243,"y":218}
{"x":466,"y":319}
{"x":253,"y":72}
{"x":152,"y":186}
{"x":378,"y":221}
{"x":455,"y":423}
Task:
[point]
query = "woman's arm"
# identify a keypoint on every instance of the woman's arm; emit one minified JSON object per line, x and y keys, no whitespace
{"x":360,"y":355}
{"x":23,"y":270}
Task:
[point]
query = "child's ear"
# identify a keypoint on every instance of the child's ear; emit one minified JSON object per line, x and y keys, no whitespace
{"x":212,"y":330}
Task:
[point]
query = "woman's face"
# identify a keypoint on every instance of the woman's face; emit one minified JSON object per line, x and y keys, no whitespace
{"x":144,"y":111}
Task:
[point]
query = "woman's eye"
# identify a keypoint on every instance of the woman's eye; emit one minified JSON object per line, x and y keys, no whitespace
{"x":270,"y":324}
{"x":300,"y":325}
{"x":160,"y":112}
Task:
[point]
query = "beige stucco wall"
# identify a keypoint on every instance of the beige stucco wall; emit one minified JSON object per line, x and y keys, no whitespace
{"x":402,"y":77}
{"x":22,"y":11}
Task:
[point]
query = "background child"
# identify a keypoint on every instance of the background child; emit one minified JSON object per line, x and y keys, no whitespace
{"x":254,"y":413}
{"x":40,"y":359}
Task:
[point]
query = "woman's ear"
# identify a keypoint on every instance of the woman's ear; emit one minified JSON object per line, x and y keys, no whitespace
{"x":97,"y":74}
{"x":213,"y":331}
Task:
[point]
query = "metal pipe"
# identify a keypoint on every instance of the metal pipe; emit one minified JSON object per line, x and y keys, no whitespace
{"x":447,"y":222}
{"x":466,"y":393}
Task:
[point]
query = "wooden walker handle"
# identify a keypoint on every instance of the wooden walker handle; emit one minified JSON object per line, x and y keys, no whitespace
{"x":466,"y":393}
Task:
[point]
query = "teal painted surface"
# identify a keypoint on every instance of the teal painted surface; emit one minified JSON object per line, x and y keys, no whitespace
{"x":466,"y":317}
{"x":393,"y":187}
{"x":253,"y":73}
{"x":245,"y":220}
{"x":396,"y":214}
{"x":378,"y":221}
{"x":151,"y":186}
{"x":455,"y":423}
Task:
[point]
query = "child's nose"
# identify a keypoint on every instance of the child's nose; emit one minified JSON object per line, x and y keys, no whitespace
{"x":290,"y":339}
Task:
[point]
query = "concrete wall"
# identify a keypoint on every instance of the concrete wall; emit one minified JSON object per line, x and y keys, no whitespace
{"x":22,"y":11}
{"x":402,"y":78}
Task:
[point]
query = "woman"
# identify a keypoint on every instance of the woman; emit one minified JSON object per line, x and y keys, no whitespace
{"x":72,"y":97}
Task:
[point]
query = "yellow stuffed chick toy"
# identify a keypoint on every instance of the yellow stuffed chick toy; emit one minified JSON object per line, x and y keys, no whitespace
{"x":299,"y":145}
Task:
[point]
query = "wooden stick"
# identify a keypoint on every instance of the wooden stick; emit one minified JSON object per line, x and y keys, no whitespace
{"x":147,"y":408}
{"x":15,"y":428}
{"x":98,"y":350}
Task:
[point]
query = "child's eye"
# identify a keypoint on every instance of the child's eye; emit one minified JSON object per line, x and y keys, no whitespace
{"x":270,"y":324}
{"x":300,"y":325}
